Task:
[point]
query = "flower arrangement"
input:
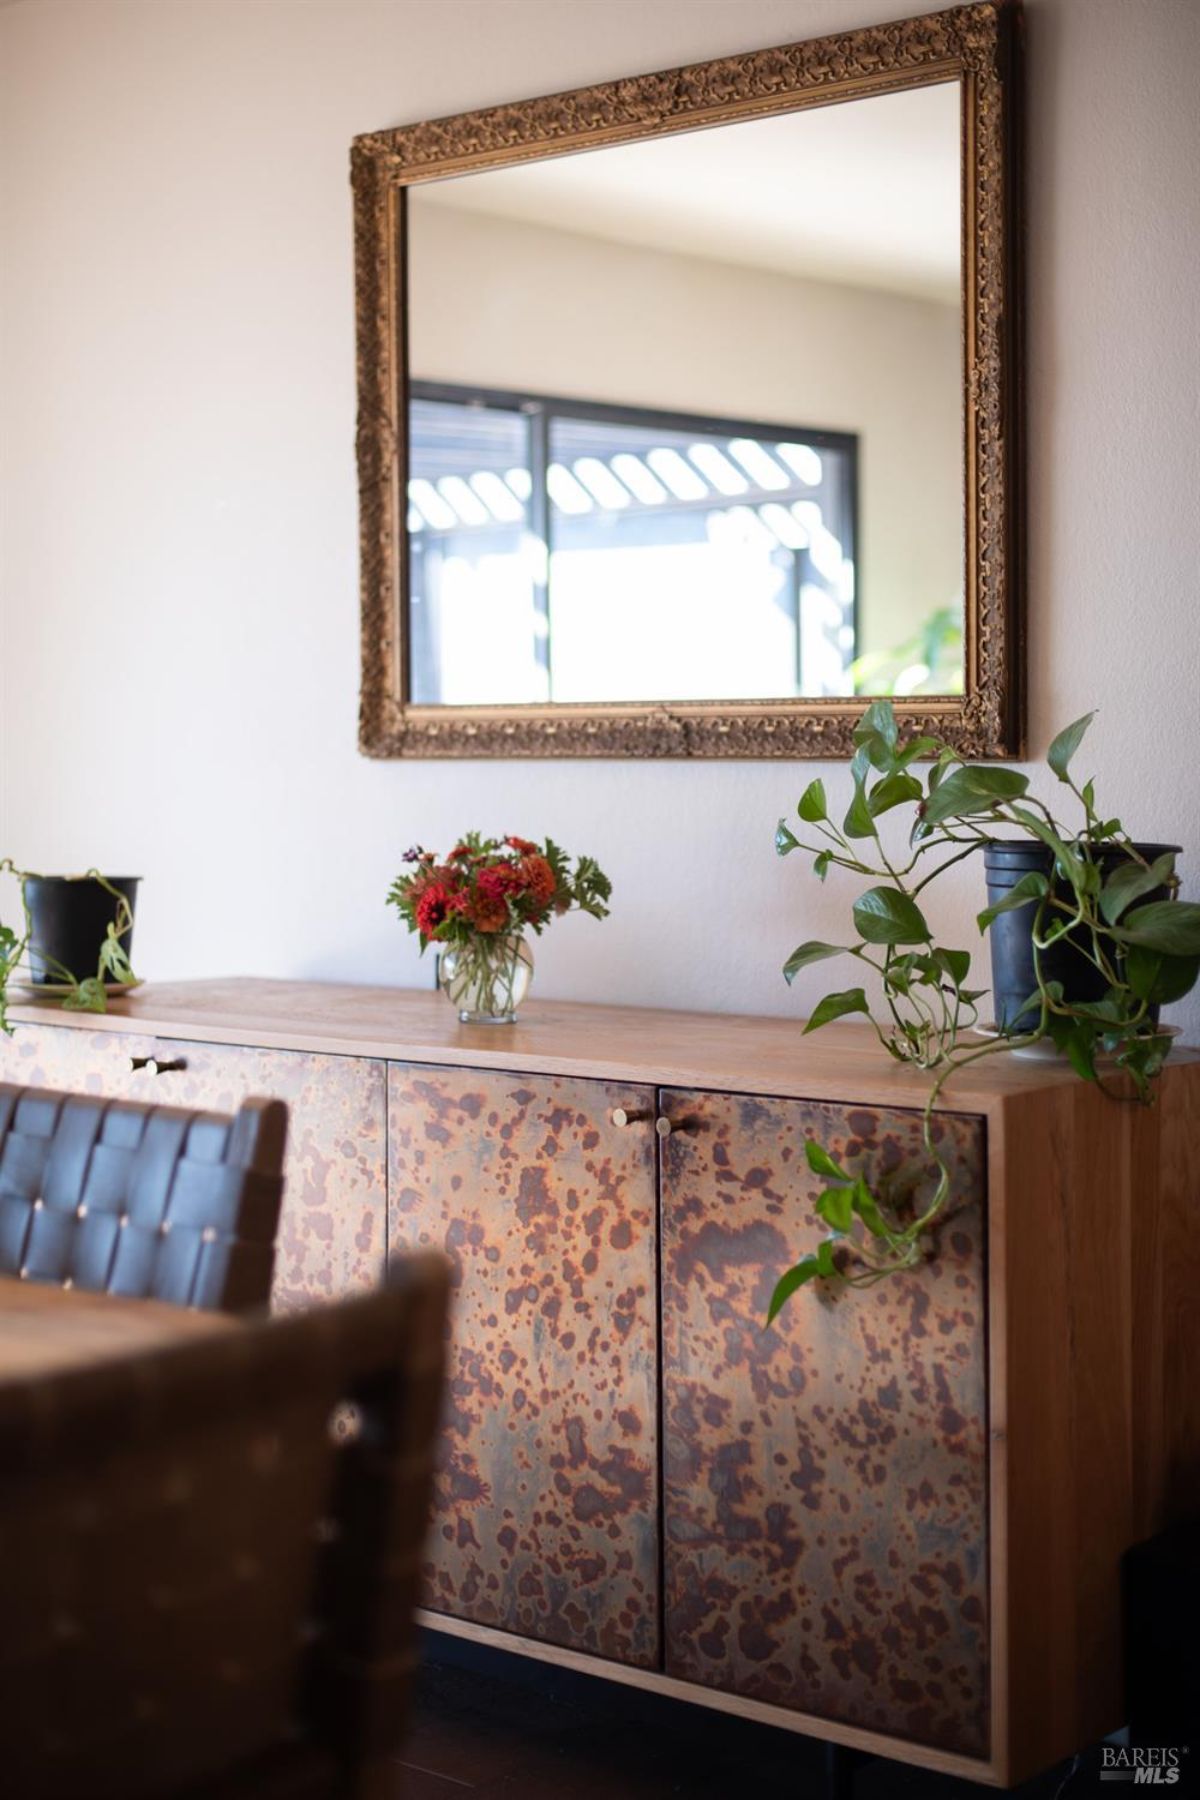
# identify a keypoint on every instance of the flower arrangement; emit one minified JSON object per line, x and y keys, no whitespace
{"x":478,"y":901}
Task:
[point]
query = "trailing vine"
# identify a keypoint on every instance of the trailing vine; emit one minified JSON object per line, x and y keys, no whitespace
{"x":88,"y":994}
{"x":1146,"y":950}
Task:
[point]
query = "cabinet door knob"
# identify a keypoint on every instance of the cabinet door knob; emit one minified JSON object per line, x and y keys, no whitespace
{"x":665,"y":1126}
{"x":152,"y":1066}
{"x":621,"y":1115}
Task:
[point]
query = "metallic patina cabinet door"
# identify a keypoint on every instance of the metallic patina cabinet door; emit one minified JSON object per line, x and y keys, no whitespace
{"x":825,"y":1485}
{"x":77,"y":1061}
{"x":331,"y":1229}
{"x":547,"y":1494}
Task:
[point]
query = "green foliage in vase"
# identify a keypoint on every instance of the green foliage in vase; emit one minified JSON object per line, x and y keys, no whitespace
{"x":1146,"y":951}
{"x":83,"y":995}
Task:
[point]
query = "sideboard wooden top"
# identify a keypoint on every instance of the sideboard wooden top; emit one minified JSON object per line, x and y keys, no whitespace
{"x":727,"y":1052}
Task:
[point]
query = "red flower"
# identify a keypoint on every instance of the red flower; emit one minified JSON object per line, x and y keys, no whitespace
{"x":432,"y":908}
{"x":521,"y":844}
{"x":489,"y":911}
{"x":494,"y":884}
{"x":489,"y":915}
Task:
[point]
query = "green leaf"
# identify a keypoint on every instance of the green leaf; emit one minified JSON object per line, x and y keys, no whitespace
{"x":956,"y":964}
{"x":1090,"y":878}
{"x":821,"y":862}
{"x":809,"y":1268}
{"x":785,"y":839}
{"x":821,"y":1163}
{"x":883,"y":915}
{"x":1109,"y":1010}
{"x":1067,"y":859}
{"x":812,"y":952}
{"x":1077,"y":1039}
{"x":893,"y":790}
{"x":1160,"y":979}
{"x":1089,"y":794}
{"x":115,"y":961}
{"x":812,"y":803}
{"x":864,"y":1204}
{"x":10,"y":952}
{"x":879,"y":720}
{"x":917,"y":751}
{"x":805,"y":1270}
{"x":1066,"y":744}
{"x":1130,"y":880}
{"x":836,"y":1208}
{"x":1033,"y":886}
{"x":1081,"y":1053}
{"x":87,"y":996}
{"x":1172,"y":926}
{"x":937,"y":774}
{"x":898,"y":972}
{"x":860,"y":765}
{"x":972,"y":790}
{"x":1144,"y":1057}
{"x":858,"y":822}
{"x":876,"y":735}
{"x":837,"y":1006}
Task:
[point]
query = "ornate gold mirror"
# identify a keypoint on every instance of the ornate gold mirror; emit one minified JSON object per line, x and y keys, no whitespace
{"x":688,"y":407}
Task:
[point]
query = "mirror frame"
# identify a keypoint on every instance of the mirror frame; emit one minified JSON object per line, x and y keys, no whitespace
{"x":975,"y":44}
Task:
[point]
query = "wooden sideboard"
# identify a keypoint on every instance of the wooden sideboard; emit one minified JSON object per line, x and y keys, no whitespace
{"x":894,"y":1519}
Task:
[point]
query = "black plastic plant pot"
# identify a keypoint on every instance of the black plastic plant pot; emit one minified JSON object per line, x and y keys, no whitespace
{"x":69,"y":919}
{"x":1014,"y":978}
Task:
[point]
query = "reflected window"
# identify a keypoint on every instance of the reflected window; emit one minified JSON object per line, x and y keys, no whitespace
{"x":564,"y":551}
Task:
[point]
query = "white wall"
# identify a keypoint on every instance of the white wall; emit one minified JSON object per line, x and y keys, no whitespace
{"x":178,"y":668}
{"x":503,"y":303}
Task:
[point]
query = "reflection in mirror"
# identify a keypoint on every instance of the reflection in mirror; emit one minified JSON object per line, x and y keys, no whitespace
{"x":685,"y":415}
{"x":653,"y":522}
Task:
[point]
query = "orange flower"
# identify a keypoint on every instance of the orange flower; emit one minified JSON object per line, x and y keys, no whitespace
{"x":538,"y":878}
{"x":489,"y":914}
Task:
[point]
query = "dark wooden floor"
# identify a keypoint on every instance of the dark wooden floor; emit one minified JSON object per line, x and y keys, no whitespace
{"x":490,"y":1727}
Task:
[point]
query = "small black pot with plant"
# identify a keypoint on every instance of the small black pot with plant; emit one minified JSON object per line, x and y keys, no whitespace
{"x":1018,"y":965}
{"x":1088,"y":940}
{"x":75,"y":937}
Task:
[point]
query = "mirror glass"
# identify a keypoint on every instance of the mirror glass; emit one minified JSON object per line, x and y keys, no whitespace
{"x":686,"y":416}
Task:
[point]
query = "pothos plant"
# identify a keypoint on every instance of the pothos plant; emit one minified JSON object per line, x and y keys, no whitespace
{"x":1094,"y":893}
{"x":81,"y":995}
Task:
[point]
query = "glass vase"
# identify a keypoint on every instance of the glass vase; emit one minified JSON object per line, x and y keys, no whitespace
{"x":487,"y":978}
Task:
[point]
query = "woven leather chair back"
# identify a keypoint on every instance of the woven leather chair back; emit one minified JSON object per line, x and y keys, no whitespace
{"x":205,"y":1589}
{"x":146,"y":1201}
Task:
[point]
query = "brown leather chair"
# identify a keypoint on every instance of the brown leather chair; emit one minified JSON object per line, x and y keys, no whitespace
{"x":148,"y":1201}
{"x":204,"y":1589}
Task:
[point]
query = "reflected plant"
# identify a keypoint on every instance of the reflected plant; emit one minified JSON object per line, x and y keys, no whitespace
{"x":929,"y":662}
{"x":1147,"y":951}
